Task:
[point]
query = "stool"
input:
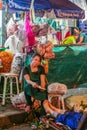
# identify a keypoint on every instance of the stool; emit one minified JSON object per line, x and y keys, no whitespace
{"x":57,"y":90}
{"x":60,"y":99}
{"x":11,"y":77}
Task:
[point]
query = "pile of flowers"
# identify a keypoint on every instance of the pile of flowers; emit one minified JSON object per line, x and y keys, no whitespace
{"x":6,"y":58}
{"x":46,"y":50}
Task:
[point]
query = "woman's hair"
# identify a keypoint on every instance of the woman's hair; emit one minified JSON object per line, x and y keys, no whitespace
{"x":78,"y":28}
{"x":36,"y":54}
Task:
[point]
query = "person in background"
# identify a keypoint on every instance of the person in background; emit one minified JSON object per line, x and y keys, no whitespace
{"x":82,"y":36}
{"x":70,"y":40}
{"x":34,"y":81}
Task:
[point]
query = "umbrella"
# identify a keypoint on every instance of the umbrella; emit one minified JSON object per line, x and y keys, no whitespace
{"x":62,"y":8}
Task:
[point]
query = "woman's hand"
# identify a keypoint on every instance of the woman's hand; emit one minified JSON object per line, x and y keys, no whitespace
{"x":38,"y":86}
{"x":35,"y":85}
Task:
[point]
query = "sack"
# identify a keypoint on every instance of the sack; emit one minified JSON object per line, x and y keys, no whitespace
{"x":17,"y":63}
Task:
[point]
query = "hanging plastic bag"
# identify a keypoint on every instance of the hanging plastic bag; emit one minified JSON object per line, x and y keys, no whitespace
{"x":57,"y":88}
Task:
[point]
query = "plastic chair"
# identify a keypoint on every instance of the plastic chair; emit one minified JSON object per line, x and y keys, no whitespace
{"x":57,"y":90}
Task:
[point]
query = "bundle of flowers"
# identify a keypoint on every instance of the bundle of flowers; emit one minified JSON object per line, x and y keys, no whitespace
{"x":46,"y":50}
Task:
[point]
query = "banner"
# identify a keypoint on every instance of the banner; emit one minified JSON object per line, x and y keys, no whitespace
{"x":62,"y":10}
{"x":17,"y":5}
{"x":69,"y":14}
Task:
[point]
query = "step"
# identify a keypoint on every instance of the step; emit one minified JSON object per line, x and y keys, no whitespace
{"x":10,"y":116}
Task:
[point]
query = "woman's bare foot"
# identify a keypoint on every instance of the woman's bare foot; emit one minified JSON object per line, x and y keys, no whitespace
{"x":60,"y":111}
{"x":27,"y":109}
{"x":46,"y":106}
{"x":49,"y":108}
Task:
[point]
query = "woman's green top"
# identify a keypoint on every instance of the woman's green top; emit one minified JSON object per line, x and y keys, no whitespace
{"x":35,"y":77}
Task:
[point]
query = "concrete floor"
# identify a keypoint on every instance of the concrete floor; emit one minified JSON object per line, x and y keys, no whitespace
{"x":13,"y":118}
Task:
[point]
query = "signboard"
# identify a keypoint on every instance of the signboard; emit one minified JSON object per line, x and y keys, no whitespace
{"x":61,"y":9}
{"x":17,"y":5}
{"x":69,"y":14}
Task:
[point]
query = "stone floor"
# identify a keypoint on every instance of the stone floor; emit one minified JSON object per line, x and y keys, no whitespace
{"x":10,"y":115}
{"x":13,"y":118}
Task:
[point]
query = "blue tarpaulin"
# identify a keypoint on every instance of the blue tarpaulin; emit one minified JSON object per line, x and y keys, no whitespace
{"x":62,"y":8}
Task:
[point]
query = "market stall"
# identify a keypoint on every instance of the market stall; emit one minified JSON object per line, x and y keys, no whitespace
{"x":66,"y":62}
{"x":63,"y":8}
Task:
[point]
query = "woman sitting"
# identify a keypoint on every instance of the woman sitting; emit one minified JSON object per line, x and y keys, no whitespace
{"x":34,"y":81}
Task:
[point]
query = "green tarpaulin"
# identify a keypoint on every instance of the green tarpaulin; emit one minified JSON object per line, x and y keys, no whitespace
{"x":69,"y":66}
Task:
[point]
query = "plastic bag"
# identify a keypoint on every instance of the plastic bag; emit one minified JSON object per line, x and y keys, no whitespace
{"x":18,"y":99}
{"x":57,"y":88}
{"x":17,"y":63}
{"x":29,"y":33}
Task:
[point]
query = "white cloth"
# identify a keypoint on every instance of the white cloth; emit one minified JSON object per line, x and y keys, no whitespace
{"x":10,"y":24}
{"x":14,"y":44}
{"x":11,"y":27}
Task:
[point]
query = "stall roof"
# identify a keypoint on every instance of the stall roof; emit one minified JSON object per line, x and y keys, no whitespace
{"x":62,"y":8}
